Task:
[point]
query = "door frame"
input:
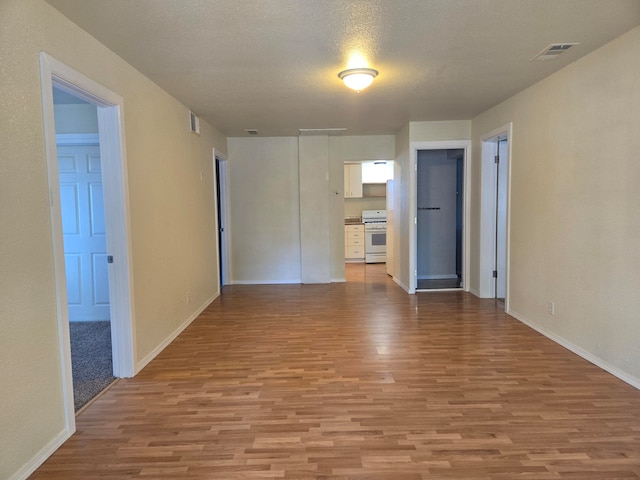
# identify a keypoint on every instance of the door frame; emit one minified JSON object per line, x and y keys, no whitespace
{"x":224,"y":270}
{"x":487,"y":260}
{"x":110,"y":108}
{"x":413,"y":207}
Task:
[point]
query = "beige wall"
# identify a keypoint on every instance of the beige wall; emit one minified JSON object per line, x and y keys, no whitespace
{"x":353,"y":207}
{"x":352,"y":148}
{"x":172,"y":213}
{"x":575,"y":226}
{"x":315,"y":209}
{"x":400,"y":225}
{"x":440,"y":131}
{"x":265,"y":210}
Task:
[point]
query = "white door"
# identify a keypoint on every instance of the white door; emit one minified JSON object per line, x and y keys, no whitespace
{"x":83,"y":228}
{"x":501,"y":219}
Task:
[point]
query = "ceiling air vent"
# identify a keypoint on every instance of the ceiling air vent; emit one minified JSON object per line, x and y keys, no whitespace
{"x":322,"y":131}
{"x":252,"y":131}
{"x":194,"y":122}
{"x":554,"y":51}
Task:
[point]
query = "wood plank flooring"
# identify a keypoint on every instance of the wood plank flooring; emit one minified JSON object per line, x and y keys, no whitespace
{"x":357,"y":381}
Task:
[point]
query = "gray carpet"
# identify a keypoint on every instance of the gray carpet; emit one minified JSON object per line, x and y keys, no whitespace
{"x":91,"y":362}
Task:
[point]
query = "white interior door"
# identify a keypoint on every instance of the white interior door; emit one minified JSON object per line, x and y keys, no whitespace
{"x":84,"y":233}
{"x":222,"y":210}
{"x":501,"y":219}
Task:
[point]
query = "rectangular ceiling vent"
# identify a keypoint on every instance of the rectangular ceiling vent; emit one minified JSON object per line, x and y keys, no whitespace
{"x":553,"y":51}
{"x":194,"y":122}
{"x":252,"y":131}
{"x":322,"y":131}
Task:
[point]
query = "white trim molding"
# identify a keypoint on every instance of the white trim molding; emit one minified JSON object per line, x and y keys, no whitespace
{"x":167,"y":341}
{"x":486,"y":261}
{"x":588,"y":356}
{"x":77,"y":139}
{"x":111,"y":140}
{"x":40,"y":457}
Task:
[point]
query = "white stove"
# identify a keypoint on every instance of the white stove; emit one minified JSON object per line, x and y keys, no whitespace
{"x":375,"y":233}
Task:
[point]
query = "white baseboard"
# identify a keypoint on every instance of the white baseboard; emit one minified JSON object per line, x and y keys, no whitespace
{"x":40,"y":457}
{"x":265,"y":282}
{"x":401,"y":285}
{"x":338,"y":280}
{"x":588,"y":356}
{"x":154,"y":353}
{"x":475,"y":292}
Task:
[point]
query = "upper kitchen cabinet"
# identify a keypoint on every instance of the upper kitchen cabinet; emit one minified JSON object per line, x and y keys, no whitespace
{"x":353,"y":180}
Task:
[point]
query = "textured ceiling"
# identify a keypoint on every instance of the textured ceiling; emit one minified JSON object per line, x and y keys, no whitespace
{"x":272,"y":65}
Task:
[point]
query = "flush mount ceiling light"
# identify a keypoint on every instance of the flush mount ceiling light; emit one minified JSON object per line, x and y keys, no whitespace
{"x":358,"y":78}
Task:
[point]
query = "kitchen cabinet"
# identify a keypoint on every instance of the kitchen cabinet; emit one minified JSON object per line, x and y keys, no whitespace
{"x":353,"y":180}
{"x":354,"y":243}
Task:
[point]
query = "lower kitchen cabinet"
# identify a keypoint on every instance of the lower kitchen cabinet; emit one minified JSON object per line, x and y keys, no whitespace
{"x":354,"y":243}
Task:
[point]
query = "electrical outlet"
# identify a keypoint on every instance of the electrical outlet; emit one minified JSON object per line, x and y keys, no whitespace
{"x":552,"y":308}
{"x":188,"y":297}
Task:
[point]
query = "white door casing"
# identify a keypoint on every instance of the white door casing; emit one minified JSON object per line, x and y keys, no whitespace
{"x":494,"y":218}
{"x":222,"y":221}
{"x":436,"y":216}
{"x":115,"y":184}
{"x":501,"y":219}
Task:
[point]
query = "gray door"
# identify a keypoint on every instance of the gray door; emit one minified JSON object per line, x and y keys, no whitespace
{"x":439,"y":218}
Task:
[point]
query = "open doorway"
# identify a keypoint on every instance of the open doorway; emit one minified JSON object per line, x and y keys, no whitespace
{"x":366,"y":196}
{"x":222,"y":213}
{"x":459,"y":244}
{"x":116,"y":219}
{"x":440,"y":183}
{"x":85,"y":247}
{"x":494,"y":234}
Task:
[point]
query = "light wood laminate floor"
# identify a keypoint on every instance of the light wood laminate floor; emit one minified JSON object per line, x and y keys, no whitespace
{"x":357,"y":381}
